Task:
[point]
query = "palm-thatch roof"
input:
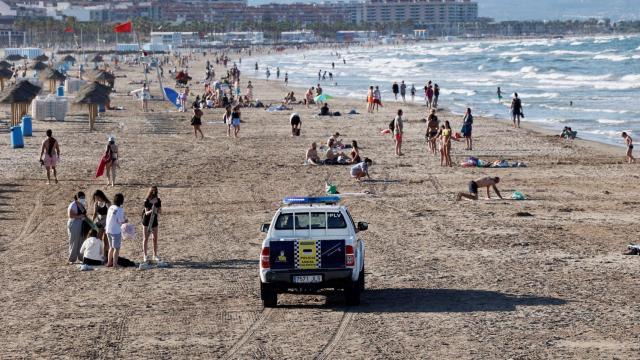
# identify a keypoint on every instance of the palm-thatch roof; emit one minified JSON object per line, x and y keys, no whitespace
{"x":93,"y":93}
{"x":52,"y":74}
{"x":5,"y":64}
{"x":22,"y":92}
{"x":5,"y":73}
{"x":14,"y":57}
{"x":102,"y":75}
{"x":42,"y":57}
{"x":38,"y":66}
{"x":69,"y":58}
{"x":97,"y":58}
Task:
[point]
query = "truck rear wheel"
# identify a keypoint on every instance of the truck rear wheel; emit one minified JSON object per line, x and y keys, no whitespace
{"x":353,"y":290}
{"x":268,"y":295}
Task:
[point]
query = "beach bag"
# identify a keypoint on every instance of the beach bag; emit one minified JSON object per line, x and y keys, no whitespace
{"x":128,"y":231}
{"x":518,"y":196}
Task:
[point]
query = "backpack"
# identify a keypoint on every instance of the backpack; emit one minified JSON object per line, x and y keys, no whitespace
{"x":392,"y":125}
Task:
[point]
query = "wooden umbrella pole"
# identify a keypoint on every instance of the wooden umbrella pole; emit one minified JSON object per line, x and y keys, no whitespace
{"x":13,"y":114}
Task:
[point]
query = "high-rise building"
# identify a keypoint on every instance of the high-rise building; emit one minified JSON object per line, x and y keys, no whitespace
{"x":416,"y":11}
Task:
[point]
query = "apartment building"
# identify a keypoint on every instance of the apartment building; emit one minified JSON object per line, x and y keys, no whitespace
{"x":418,"y":11}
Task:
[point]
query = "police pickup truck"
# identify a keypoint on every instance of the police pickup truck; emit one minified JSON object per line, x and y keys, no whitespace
{"x":311,"y":244}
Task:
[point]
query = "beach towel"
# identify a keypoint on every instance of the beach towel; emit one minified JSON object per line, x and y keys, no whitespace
{"x":101,"y":166}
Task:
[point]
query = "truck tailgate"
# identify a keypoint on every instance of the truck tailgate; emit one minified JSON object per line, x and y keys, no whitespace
{"x":307,"y":254}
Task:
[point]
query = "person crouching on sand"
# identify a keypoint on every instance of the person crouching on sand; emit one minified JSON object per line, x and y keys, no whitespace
{"x":361,"y":170}
{"x":629,"y":142}
{"x":487,"y":182}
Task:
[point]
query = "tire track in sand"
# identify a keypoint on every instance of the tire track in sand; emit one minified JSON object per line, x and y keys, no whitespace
{"x":337,"y":336}
{"x":255,"y":325}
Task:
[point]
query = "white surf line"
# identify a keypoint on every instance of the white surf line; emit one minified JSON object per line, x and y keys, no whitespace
{"x":266,"y":312}
{"x":335,"y":339}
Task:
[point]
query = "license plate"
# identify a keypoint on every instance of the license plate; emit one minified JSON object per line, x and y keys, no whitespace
{"x":307,"y":279}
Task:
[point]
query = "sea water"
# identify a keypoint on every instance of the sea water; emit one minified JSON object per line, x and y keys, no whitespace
{"x":590,"y":84}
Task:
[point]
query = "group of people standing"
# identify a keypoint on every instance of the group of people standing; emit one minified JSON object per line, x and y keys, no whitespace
{"x":96,"y":240}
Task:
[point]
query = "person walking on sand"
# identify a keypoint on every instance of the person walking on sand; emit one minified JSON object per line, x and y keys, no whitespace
{"x":436,"y":95}
{"x":115,"y":219}
{"x":516,"y":110}
{"x":249,"y":93}
{"x":445,"y":146}
{"x":196,"y":120}
{"x":395,"y":89}
{"x":286,"y":79}
{"x":398,"y":131}
{"x":370,"y":100}
{"x":235,"y":120}
{"x":432,"y":131}
{"x":377,"y":99}
{"x":413,"y":92}
{"x":49,"y":156}
{"x":629,"y":142}
{"x":111,"y":154}
{"x":428,"y":93}
{"x":487,"y":182}
{"x":226,"y":118}
{"x":467,"y":126}
{"x":403,"y":90}
{"x":152,"y":208}
{"x":145,"y":97}
{"x":76,"y":212}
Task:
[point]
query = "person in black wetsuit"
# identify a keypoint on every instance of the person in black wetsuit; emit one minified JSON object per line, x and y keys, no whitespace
{"x":516,"y":110}
{"x":152,"y":208}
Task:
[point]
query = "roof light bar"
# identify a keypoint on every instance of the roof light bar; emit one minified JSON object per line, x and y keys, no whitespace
{"x":291,"y":200}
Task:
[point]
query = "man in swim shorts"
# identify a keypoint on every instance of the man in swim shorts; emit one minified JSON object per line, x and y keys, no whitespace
{"x":51,"y":152}
{"x":487,"y":182}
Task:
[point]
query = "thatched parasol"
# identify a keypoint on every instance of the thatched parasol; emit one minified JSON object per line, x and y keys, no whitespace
{"x":38,"y":66}
{"x":42,"y":57}
{"x":97,"y":58}
{"x":69,"y":58}
{"x":104,"y":77}
{"x":19,"y":96}
{"x":93,"y":94}
{"x":14,"y":57}
{"x":5,"y":74}
{"x":54,"y":76}
{"x":5,"y":64}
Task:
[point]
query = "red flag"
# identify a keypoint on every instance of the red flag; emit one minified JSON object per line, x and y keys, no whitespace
{"x":124,"y":27}
{"x":68,"y":29}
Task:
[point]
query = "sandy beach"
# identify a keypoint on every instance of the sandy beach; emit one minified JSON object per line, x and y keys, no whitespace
{"x":445,"y":279}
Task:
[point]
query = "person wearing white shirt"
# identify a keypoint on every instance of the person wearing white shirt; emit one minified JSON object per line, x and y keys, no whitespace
{"x":115,"y":219}
{"x":92,"y":249}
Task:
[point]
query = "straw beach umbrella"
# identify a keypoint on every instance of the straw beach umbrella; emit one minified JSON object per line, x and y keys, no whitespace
{"x":38,"y":66}
{"x":14,"y":57}
{"x":5,"y":74}
{"x":104,"y":77}
{"x":42,"y":57}
{"x":92,"y":95}
{"x":54,"y":76}
{"x":4,"y":64}
{"x":19,"y":96}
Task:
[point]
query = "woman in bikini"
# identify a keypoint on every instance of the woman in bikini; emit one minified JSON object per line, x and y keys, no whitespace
{"x":370,"y":100}
{"x":111,"y":154}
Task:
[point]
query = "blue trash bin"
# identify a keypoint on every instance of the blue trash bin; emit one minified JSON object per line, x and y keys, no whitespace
{"x":60,"y":91}
{"x":26,"y":125}
{"x":101,"y":108}
{"x":16,"y":137}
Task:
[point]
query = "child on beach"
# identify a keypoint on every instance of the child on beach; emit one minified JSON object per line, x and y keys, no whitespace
{"x":629,"y":142}
{"x":235,"y":120}
{"x":92,"y":249}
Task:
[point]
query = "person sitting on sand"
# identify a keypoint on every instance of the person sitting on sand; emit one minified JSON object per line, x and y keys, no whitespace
{"x":361,"y":170}
{"x":92,"y":249}
{"x":312,"y":157}
{"x":567,"y":133}
{"x":324,"y":110}
{"x":337,"y":142}
{"x":487,"y":182}
{"x":355,"y":153}
{"x":629,"y":142}
{"x":332,"y":157}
